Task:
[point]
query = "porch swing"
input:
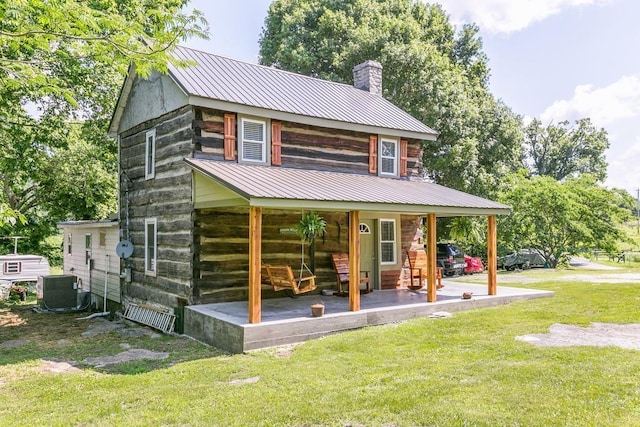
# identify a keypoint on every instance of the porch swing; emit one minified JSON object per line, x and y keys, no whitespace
{"x":281,"y":276}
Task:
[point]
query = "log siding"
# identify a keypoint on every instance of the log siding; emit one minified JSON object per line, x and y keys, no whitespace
{"x":304,"y":146}
{"x":167,"y":197}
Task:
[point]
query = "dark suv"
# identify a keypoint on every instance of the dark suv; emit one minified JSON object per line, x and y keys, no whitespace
{"x":451,"y":259}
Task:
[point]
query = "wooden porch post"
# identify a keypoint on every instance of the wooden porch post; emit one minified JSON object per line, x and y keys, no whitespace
{"x":492,"y":254}
{"x":354,"y":260}
{"x":255,"y":257}
{"x":431,"y":258}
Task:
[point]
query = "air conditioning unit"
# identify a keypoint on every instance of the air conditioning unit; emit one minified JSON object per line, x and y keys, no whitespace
{"x":57,"y":293}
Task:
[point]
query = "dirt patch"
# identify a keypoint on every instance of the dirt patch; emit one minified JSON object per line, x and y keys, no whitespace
{"x":126,"y":356}
{"x":57,"y":367}
{"x":597,"y":334}
{"x":14,"y":343}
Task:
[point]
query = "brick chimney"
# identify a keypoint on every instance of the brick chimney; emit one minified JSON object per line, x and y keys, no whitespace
{"x":368,"y":76}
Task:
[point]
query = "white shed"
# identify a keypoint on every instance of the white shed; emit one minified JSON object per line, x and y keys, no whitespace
{"x":89,"y":253}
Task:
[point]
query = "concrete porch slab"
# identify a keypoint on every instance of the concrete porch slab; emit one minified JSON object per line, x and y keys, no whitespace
{"x":287,"y":320}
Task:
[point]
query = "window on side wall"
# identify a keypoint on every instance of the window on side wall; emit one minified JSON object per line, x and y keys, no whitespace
{"x":253,"y":140}
{"x":388,"y":157}
{"x":387,"y":241}
{"x":150,"y":155}
{"x":150,"y":246}
{"x":69,"y":245}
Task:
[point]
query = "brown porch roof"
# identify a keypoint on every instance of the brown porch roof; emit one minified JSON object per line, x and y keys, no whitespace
{"x":277,"y":187}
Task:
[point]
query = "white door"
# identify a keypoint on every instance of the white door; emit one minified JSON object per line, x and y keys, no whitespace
{"x":368,"y":252}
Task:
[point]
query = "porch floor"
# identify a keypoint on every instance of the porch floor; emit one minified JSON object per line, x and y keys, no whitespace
{"x":288,"y":320}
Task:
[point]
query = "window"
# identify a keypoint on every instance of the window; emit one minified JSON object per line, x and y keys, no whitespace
{"x":388,"y":157}
{"x":69,"y":243}
{"x":87,"y":249}
{"x":387,"y":241}
{"x":364,"y":228}
{"x":103,"y":239}
{"x":150,"y":246}
{"x":150,"y":155}
{"x":253,"y":140}
{"x":12,"y":267}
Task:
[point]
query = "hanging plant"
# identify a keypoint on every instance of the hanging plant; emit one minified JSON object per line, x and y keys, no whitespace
{"x":311,"y":226}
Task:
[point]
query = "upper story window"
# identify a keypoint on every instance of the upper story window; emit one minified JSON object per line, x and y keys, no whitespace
{"x":388,"y":157}
{"x":150,"y":155}
{"x":253,"y":140}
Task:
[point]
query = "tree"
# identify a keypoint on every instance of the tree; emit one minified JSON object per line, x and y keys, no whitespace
{"x":438,"y":76}
{"x":560,"y":218}
{"x":563,"y":150}
{"x":62,"y":64}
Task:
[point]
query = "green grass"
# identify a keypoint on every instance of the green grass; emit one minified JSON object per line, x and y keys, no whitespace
{"x":466,"y":370}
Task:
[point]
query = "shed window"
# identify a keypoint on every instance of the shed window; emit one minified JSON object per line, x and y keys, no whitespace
{"x":150,"y":246}
{"x":69,"y":245}
{"x":12,"y":267}
{"x":388,"y":157}
{"x":254,"y":140}
{"x":387,"y":241}
{"x":103,"y":239}
{"x":150,"y":155}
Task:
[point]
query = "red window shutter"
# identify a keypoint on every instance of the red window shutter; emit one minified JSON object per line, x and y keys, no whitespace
{"x":229,"y":136}
{"x":276,"y":143}
{"x":373,"y":154}
{"x":403,"y":157}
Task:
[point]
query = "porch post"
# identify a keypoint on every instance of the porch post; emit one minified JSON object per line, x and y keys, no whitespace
{"x":354,"y":260}
{"x":255,"y":257}
{"x":492,"y":254}
{"x":431,"y":258}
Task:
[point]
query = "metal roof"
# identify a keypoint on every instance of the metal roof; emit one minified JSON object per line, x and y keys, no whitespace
{"x":311,"y":189}
{"x":219,"y":78}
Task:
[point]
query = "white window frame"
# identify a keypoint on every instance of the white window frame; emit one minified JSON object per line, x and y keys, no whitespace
{"x":151,"y":259}
{"x":395,"y":159}
{"x":150,"y":154}
{"x":393,"y":242}
{"x":265,"y":141}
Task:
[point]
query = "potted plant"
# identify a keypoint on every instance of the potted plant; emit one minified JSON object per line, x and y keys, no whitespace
{"x":311,"y":225}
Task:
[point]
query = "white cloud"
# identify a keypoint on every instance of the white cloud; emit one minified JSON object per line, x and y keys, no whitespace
{"x":507,"y":16}
{"x":623,"y":171}
{"x":605,"y":105}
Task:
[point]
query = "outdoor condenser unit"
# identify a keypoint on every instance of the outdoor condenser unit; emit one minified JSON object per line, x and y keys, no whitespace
{"x":57,"y":292}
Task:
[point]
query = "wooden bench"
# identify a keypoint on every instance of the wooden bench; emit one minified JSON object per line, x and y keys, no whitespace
{"x":281,"y":277}
{"x":418,"y":269}
{"x":341,"y":266}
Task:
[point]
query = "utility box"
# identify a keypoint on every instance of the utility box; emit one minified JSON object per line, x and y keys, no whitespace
{"x":57,"y":292}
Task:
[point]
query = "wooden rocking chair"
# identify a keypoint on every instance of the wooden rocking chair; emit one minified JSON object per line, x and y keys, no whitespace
{"x":281,"y":278}
{"x":418,"y":269}
{"x":341,"y":265}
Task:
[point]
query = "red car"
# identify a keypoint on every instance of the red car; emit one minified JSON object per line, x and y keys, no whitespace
{"x":474,"y":265}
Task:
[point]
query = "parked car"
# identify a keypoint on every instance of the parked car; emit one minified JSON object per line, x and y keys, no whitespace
{"x":522,"y":259}
{"x":473,"y":265}
{"x":450,"y":258}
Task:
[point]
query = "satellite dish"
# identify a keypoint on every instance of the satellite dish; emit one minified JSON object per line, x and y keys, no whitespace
{"x":124,"y":249}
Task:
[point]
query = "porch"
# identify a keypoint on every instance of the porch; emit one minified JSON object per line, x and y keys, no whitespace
{"x":286,"y":320}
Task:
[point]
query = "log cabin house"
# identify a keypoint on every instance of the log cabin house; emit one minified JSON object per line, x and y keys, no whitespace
{"x":220,"y":159}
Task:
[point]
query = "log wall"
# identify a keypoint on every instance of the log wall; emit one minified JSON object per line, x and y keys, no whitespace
{"x":166,"y":197}
{"x":304,"y":146}
{"x":222,"y":243}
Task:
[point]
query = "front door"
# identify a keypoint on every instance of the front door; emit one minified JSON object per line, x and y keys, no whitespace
{"x":368,"y":252}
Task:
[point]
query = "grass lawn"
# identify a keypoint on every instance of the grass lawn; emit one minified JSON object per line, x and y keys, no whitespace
{"x":465,"y":370}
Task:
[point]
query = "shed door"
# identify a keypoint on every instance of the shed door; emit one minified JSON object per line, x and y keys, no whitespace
{"x":368,"y":251}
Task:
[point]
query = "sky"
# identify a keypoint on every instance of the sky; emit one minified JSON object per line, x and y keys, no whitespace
{"x":551,"y":59}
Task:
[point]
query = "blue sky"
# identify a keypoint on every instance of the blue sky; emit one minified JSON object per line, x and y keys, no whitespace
{"x":552,"y":59}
